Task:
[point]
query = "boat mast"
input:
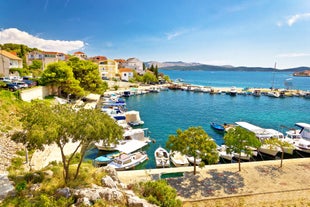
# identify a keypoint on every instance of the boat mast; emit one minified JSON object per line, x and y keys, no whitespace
{"x":275,"y":66}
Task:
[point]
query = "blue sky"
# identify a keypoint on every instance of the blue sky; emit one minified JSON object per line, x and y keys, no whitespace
{"x":221,"y":32}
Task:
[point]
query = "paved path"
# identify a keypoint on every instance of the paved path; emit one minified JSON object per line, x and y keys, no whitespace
{"x":5,"y":186}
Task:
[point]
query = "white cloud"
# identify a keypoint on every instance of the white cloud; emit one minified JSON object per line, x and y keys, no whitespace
{"x":292,"y":55}
{"x":13,"y":35}
{"x":173,"y":35}
{"x":297,"y":17}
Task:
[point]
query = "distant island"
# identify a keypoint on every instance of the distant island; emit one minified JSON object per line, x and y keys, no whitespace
{"x":179,"y":65}
{"x":305,"y":73}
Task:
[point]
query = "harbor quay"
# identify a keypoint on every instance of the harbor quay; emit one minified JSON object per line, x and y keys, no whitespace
{"x":257,"y":182}
{"x":135,"y":89}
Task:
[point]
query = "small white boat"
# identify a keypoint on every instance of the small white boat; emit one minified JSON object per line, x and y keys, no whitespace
{"x":128,"y":161}
{"x":274,"y":94}
{"x":233,"y":91}
{"x":178,"y":159}
{"x":191,"y":159}
{"x":223,"y":153}
{"x":162,"y":157}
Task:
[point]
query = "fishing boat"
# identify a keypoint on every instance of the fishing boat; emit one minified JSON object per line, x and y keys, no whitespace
{"x":191,"y":160}
{"x":217,"y":127}
{"x":128,"y":161}
{"x":303,"y":144}
{"x":162,"y":157}
{"x":178,"y":159}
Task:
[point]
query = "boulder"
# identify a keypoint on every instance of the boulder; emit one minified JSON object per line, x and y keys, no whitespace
{"x":108,"y":182}
{"x":112,"y":172}
{"x":134,"y":201}
{"x":63,"y":192}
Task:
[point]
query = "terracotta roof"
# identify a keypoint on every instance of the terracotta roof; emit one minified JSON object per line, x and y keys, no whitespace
{"x":120,"y":60}
{"x":9,"y":55}
{"x":79,"y":52}
{"x":122,"y":70}
{"x":52,"y":53}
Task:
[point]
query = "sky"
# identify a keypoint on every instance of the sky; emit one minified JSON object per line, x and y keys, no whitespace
{"x":254,"y":33}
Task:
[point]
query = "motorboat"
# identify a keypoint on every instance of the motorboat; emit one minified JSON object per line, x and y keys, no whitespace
{"x":303,"y":144}
{"x":233,"y":91}
{"x":162,"y":157}
{"x":263,"y":134}
{"x":217,"y":127}
{"x":256,"y":93}
{"x":274,"y":94}
{"x":133,"y":118}
{"x":103,"y":160}
{"x":128,"y":161}
{"x":178,"y":159}
{"x":191,"y":160}
{"x":223,"y":153}
{"x":133,"y":140}
{"x":114,"y":112}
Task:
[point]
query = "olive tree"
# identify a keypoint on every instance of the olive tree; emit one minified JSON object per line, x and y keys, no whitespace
{"x":44,"y":124}
{"x":194,"y":142}
{"x":239,"y":140}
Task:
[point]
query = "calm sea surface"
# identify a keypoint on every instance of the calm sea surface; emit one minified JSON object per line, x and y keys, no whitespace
{"x":163,"y":113}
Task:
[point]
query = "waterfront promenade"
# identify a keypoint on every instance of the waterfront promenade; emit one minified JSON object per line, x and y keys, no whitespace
{"x":258,"y":183}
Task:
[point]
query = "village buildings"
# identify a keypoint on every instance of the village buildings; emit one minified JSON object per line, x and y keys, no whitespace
{"x":7,"y":61}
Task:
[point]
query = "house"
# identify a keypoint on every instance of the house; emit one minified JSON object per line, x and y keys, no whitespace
{"x":121,"y":63}
{"x":80,"y":55}
{"x":108,"y":69}
{"x":8,"y":61}
{"x":135,"y":64}
{"x":125,"y":74}
{"x":45,"y":57}
{"x":97,"y":59}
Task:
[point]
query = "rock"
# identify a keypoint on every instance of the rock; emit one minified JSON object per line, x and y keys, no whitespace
{"x":134,"y":201}
{"x":35,"y":187}
{"x":108,"y":182}
{"x":48,"y":173}
{"x":63,"y":192}
{"x":83,"y":202}
{"x":112,"y":172}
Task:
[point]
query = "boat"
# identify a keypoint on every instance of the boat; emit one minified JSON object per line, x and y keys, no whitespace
{"x":133,"y":140}
{"x":178,"y":160}
{"x":103,"y":160}
{"x":256,"y":93}
{"x":154,"y":89}
{"x":128,"y":161}
{"x":114,"y":112}
{"x":303,"y":144}
{"x":133,"y":118}
{"x":273,"y":94}
{"x":223,"y":153}
{"x":233,"y":91}
{"x":217,"y":127}
{"x":263,"y":134}
{"x":162,"y":157}
{"x":191,"y":160}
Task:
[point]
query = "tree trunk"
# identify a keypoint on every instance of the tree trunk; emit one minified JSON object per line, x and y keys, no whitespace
{"x":282,"y":156}
{"x":65,"y":165}
{"x":239,"y":162}
{"x":194,"y":165}
{"x":83,"y":151}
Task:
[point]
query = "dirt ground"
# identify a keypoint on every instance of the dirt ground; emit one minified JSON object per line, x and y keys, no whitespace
{"x":258,"y":184}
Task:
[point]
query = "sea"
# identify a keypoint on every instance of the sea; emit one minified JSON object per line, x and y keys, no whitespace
{"x":165,"y":112}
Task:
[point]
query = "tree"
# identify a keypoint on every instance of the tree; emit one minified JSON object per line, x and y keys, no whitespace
{"x":194,"y":142}
{"x":280,"y":143}
{"x":87,"y":73}
{"x":44,"y":124}
{"x":240,"y":140}
{"x":156,"y":71}
{"x":149,"y":77}
{"x":60,"y":75}
{"x":36,"y":65}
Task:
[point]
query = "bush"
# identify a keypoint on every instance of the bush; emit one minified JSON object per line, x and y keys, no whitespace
{"x":159,"y":193}
{"x":37,"y":177}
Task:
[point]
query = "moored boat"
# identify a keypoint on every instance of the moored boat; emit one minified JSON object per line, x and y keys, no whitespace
{"x":128,"y":161}
{"x":217,"y":127}
{"x":162,"y":157}
{"x":178,"y":159}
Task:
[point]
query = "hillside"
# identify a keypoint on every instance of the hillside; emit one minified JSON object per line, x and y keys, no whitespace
{"x":180,"y":65}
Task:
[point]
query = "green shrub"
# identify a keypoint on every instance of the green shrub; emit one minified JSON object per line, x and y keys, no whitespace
{"x":159,"y":193}
{"x":37,"y":177}
{"x":19,"y":187}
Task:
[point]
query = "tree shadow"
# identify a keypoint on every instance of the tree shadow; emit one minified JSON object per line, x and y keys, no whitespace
{"x":189,"y":185}
{"x":271,"y":171}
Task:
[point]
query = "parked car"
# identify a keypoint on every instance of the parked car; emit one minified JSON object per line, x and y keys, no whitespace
{"x":21,"y":84}
{"x":11,"y":86}
{"x":5,"y":79}
{"x":30,"y":83}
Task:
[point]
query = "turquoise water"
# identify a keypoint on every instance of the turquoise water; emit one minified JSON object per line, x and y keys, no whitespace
{"x":163,"y":113}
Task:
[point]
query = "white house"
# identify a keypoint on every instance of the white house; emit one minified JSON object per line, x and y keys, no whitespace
{"x":135,"y":64}
{"x":126,"y":73}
